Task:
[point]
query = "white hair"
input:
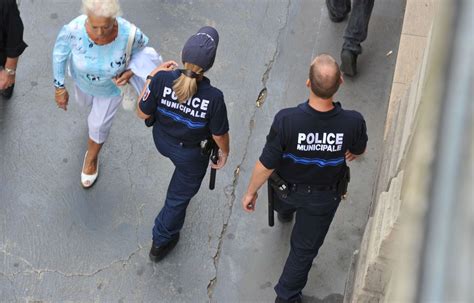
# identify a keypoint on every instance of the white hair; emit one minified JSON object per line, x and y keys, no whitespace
{"x":101,"y":8}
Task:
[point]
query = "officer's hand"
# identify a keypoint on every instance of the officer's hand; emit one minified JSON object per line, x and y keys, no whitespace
{"x":62,"y":98}
{"x":222,"y":159}
{"x":166,"y":66}
{"x":350,"y":156}
{"x":6,"y":80}
{"x":123,"y":78}
{"x":249,"y":201}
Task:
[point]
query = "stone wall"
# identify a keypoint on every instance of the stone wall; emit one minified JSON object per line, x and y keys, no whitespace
{"x":371,"y":271}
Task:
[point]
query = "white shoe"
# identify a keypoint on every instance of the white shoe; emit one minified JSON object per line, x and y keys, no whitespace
{"x":88,"y":180}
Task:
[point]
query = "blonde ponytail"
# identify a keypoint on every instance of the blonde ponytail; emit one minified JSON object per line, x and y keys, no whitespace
{"x":185,"y":87}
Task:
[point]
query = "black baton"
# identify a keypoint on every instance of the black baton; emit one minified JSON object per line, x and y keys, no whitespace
{"x":271,"y":218}
{"x":214,"y":158}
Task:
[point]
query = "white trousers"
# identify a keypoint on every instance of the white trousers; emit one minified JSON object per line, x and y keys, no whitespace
{"x":104,"y":108}
{"x":102,"y":113}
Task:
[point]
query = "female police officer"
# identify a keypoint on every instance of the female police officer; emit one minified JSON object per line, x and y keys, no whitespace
{"x":187,"y":110}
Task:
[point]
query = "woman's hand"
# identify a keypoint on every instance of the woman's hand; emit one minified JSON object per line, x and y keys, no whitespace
{"x":221,"y":160}
{"x":123,"y":78}
{"x":62,"y":98}
{"x":166,"y":66}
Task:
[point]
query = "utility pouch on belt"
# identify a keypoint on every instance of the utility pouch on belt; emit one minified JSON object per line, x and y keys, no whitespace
{"x":344,"y":181}
{"x":275,"y":185}
{"x":207,"y":146}
{"x":279,"y":185}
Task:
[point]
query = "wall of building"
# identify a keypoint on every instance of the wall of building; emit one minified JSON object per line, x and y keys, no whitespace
{"x":371,"y":277}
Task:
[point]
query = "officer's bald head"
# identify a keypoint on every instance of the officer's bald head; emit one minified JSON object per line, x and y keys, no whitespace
{"x":324,"y":76}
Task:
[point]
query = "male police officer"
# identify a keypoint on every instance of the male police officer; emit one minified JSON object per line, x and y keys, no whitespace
{"x":308,"y":146}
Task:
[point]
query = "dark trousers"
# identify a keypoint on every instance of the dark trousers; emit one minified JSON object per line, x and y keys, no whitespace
{"x":358,"y":24}
{"x":190,"y":169}
{"x":314,"y":214}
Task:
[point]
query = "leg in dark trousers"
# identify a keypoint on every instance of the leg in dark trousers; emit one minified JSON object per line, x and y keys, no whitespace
{"x":314,"y":215}
{"x":170,"y":220}
{"x":190,"y":169}
{"x":356,"y":29}
{"x":282,"y":206}
{"x":338,"y":9}
{"x":355,"y":34}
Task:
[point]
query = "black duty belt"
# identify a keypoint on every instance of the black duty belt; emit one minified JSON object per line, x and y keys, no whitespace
{"x":308,"y":188}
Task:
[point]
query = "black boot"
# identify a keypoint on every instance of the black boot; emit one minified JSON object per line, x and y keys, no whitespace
{"x":158,"y":252}
{"x":348,"y":62}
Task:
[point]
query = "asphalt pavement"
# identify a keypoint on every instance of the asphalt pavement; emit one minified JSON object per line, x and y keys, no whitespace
{"x":61,"y":243}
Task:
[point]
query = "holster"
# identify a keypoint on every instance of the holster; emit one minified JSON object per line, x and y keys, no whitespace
{"x":344,"y":180}
{"x":279,"y":185}
{"x":207,"y":146}
{"x":275,"y":186}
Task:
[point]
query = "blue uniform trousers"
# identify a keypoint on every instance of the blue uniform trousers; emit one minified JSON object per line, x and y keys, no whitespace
{"x":358,"y":24}
{"x":190,"y":169}
{"x":314,"y":213}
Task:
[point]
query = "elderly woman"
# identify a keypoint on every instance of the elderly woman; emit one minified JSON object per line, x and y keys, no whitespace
{"x":93,"y":46}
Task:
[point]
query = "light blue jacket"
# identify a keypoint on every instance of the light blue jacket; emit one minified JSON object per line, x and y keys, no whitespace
{"x":93,"y":66}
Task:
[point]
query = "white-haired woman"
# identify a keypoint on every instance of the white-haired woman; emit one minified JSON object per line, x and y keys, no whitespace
{"x":93,"y":46}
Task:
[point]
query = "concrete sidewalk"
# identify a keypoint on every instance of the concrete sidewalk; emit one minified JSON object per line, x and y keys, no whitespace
{"x":62,"y":243}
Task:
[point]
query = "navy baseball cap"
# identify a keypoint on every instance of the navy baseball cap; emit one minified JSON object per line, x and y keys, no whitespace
{"x":201,"y":48}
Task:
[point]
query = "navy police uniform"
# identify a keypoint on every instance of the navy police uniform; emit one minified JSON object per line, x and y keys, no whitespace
{"x":178,"y":132}
{"x":307,"y":149}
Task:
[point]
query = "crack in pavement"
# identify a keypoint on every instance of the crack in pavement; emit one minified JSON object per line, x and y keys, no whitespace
{"x":40,"y":272}
{"x":266,"y":74}
{"x":265,"y":77}
{"x":139,"y":223}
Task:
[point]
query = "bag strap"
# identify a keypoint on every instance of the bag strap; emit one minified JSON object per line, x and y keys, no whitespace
{"x":131,"y":38}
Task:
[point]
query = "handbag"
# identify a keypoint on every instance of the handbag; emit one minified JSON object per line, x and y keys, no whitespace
{"x":128,"y":92}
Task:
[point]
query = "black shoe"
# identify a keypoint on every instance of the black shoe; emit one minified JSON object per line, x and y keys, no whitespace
{"x":348,"y":62}
{"x":157,"y":253}
{"x":285,"y":218}
{"x":7,"y":93}
{"x":296,"y":300}
{"x":336,"y":18}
